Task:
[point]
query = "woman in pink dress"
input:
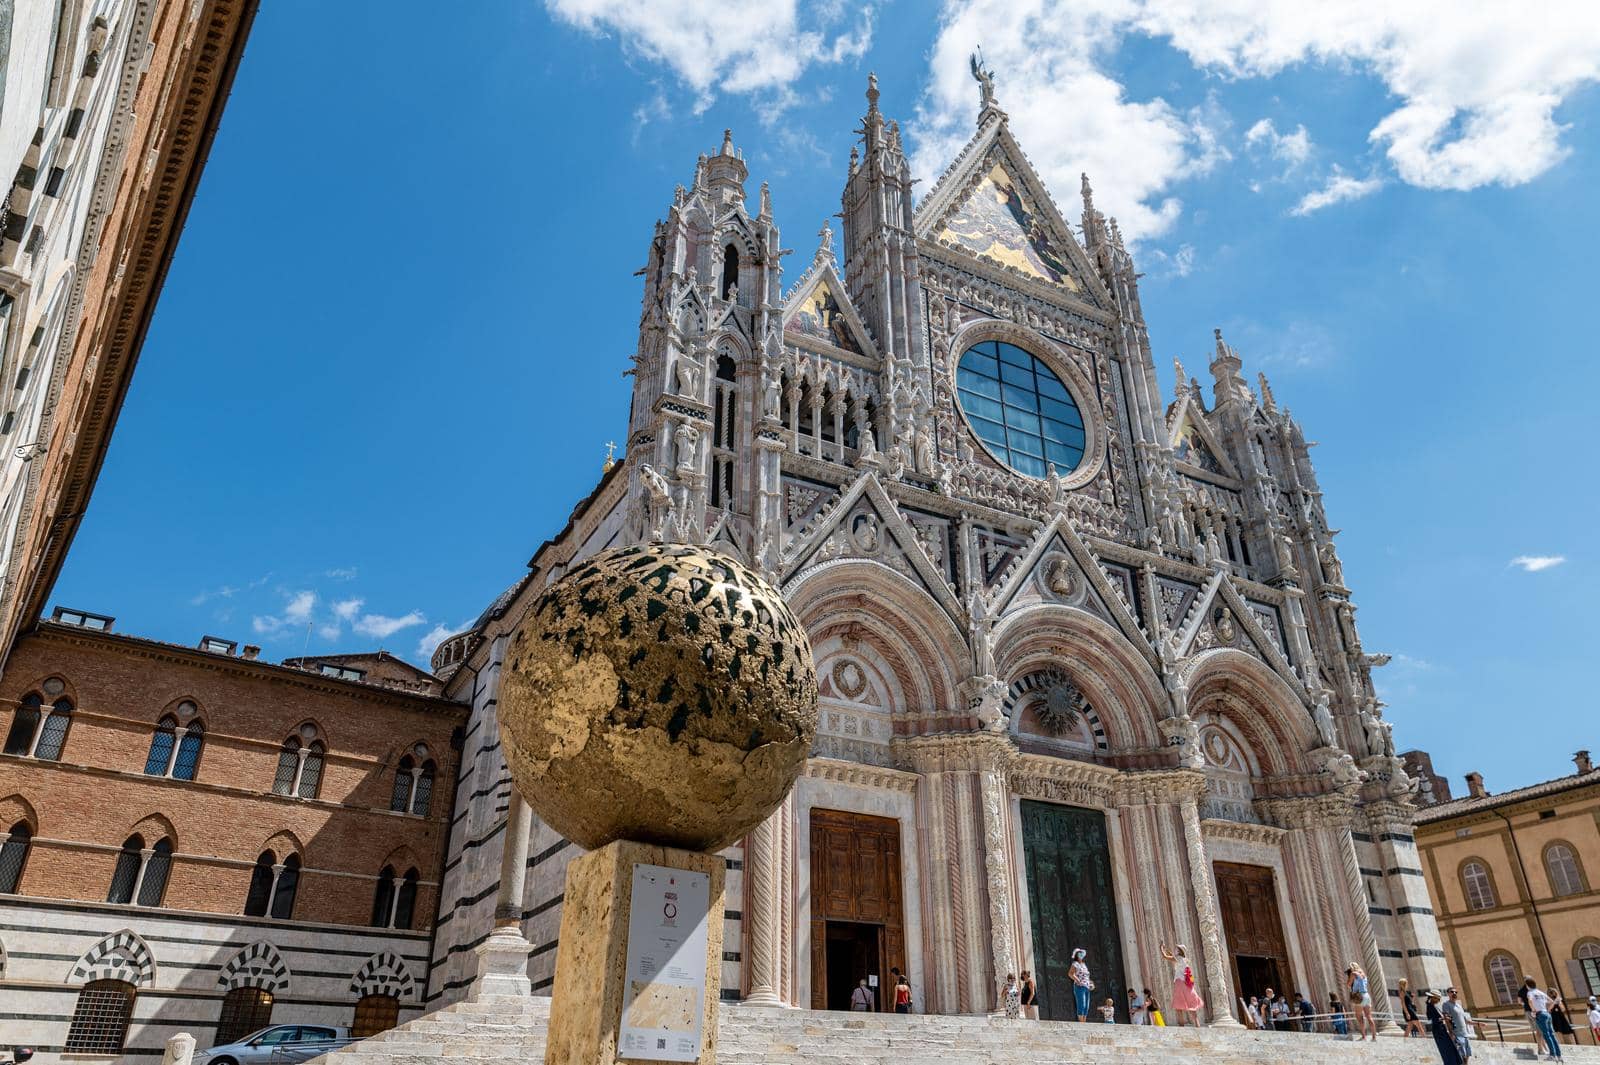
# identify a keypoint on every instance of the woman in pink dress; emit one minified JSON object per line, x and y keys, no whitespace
{"x":1184,"y":997}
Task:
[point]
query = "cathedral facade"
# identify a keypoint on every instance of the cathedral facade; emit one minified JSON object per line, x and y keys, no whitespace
{"x":1089,"y":669}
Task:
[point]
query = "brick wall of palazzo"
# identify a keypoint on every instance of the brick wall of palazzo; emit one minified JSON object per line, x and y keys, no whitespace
{"x":1160,"y":629}
{"x":204,"y":797}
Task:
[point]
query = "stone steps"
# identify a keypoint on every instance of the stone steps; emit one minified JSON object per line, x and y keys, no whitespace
{"x":505,"y":1029}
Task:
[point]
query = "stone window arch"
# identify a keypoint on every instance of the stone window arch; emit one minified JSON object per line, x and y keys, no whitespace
{"x":384,"y":974}
{"x":37,"y":731}
{"x":175,"y":745}
{"x":394,"y":900}
{"x":273,"y":886}
{"x":1562,"y":866}
{"x":300,"y":763}
{"x":121,"y":955}
{"x":1504,"y":980}
{"x":1476,"y":885}
{"x":258,"y":965}
{"x":14,"y":847}
{"x":1586,"y":952}
{"x":141,"y":872}
{"x":413,"y":782}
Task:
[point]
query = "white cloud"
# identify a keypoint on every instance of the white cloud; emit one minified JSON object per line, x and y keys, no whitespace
{"x":299,"y":606}
{"x":1175,"y":264}
{"x":342,"y":573}
{"x":381,"y":626}
{"x":1536,"y":563}
{"x":296,"y":612}
{"x":329,"y":631}
{"x":735,"y":46}
{"x":1291,"y":148}
{"x":434,"y":637}
{"x":347,"y":609}
{"x":227,"y":591}
{"x":1476,"y":86}
{"x":1340,"y":188}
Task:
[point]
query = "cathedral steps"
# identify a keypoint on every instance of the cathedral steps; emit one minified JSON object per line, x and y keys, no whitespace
{"x":507,"y":1029}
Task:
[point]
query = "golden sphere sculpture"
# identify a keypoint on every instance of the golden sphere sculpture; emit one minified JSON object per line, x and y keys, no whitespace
{"x":661,"y":693}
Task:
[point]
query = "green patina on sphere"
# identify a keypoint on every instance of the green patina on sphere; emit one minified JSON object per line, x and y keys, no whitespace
{"x":661,"y":693}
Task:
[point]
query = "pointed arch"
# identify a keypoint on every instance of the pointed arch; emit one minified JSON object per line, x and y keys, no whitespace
{"x":383,"y":974}
{"x":284,"y":843}
{"x":155,"y":826}
{"x":120,"y":956}
{"x":14,"y":808}
{"x":1118,"y":680}
{"x":258,"y":965}
{"x":1245,"y":690}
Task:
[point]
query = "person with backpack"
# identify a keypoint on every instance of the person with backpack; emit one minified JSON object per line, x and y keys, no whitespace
{"x":1355,"y":981}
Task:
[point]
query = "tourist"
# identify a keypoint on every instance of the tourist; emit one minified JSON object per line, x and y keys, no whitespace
{"x":1408,"y":1007}
{"x":1594,"y":1019}
{"x":1268,"y":997}
{"x":1136,"y":1010}
{"x":1448,"y":1054}
{"x":1355,"y":982}
{"x":1280,"y":1014}
{"x":1082,"y":984}
{"x":1152,"y":1009}
{"x":1030,"y":997}
{"x":902,"y":994}
{"x":1307,"y":1012}
{"x":1460,"y":1030}
{"x":1012,"y":997}
{"x":1539,"y":1006}
{"x":1558,"y":1016}
{"x":861,"y":998}
{"x":1108,"y":1011}
{"x":1336,"y":1015}
{"x":1184,"y":997}
{"x":1252,"y":1012}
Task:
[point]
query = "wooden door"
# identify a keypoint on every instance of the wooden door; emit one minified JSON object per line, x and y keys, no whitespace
{"x":1073,"y":905}
{"x":1248,"y":899}
{"x":855,"y":876}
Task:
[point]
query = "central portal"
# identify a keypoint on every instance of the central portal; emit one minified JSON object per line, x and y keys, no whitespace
{"x":1073,"y":904}
{"x":1248,"y":899}
{"x":857,"y":921}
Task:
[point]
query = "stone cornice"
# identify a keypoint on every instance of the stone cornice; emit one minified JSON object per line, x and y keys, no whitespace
{"x":968,"y":751}
{"x":1035,"y":776}
{"x":860,"y":774}
{"x":1143,"y":787}
{"x":1243,"y":832}
{"x":1332,"y":809}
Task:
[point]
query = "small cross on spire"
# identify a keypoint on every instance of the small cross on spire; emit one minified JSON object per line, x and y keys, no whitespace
{"x":611,"y":456}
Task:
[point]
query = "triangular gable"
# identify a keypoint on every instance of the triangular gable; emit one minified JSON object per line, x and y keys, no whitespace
{"x":1058,"y":538}
{"x":1194,"y":442}
{"x":819,"y":311}
{"x":890,"y":523}
{"x":992,"y":203}
{"x":1248,"y":623}
{"x":1219,"y":595}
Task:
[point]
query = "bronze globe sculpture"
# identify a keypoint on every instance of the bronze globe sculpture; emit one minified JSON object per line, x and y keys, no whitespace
{"x":661,"y":693}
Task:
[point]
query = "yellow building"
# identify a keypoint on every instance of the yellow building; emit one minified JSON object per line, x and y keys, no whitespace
{"x":1512,"y":880}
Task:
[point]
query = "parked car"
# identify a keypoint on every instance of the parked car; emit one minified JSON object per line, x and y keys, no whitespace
{"x":282,"y":1044}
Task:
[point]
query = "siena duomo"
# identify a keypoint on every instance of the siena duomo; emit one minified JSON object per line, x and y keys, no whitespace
{"x":1089,"y":669}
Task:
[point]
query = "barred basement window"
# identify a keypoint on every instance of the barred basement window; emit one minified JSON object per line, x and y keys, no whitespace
{"x":13,"y":857}
{"x":244,"y":1010}
{"x":100,"y":1019}
{"x":374,"y":1014}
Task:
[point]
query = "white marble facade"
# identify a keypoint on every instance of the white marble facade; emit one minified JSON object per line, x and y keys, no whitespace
{"x":1159,"y":630}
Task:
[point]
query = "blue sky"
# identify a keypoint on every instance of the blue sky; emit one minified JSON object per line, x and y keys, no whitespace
{"x":388,"y":356}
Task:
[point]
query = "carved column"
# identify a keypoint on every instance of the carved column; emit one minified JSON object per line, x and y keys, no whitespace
{"x":762,"y":911}
{"x":1205,"y":905}
{"x":503,"y":957}
{"x":993,"y":798}
{"x":1377,"y":982}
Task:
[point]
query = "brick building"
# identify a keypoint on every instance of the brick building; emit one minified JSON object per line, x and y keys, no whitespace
{"x":198,"y":840}
{"x":1510,"y":876}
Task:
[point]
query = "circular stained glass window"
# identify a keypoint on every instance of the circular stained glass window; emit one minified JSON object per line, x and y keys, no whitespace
{"x":1020,"y":409}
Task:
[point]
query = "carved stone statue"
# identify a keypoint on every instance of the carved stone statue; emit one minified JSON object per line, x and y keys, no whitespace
{"x":1332,"y":570}
{"x":688,"y":377}
{"x":1060,"y":577}
{"x":1285,"y":555}
{"x":985,"y":79}
{"x":1224,"y":625}
{"x":980,"y":628}
{"x":1323,"y":716}
{"x":686,"y":439}
{"x":1184,"y":736}
{"x":658,"y":501}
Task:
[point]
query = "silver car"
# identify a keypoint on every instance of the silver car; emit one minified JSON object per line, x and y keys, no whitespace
{"x":282,"y":1044}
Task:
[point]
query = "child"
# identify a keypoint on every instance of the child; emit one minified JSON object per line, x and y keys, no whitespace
{"x":1152,"y":1009}
{"x":1594,"y":1018}
{"x":1108,"y":1012}
{"x":1336,"y":1014}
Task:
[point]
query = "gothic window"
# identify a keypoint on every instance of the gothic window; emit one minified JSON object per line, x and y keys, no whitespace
{"x":140,"y":875}
{"x":1587,"y":955}
{"x":1566,"y":876}
{"x":1019,"y":409}
{"x":730,"y":269}
{"x":394,"y":901}
{"x":272,"y":887}
{"x":413,"y":783}
{"x":374,"y":1014}
{"x":13,"y":856}
{"x":300,"y":764}
{"x":1476,"y":886}
{"x":405,"y":903}
{"x":244,"y":1010}
{"x":174,"y":749}
{"x":383,"y":898}
{"x":726,"y":397}
{"x":100,"y":1019}
{"x":38,"y":732}
{"x":1503,"y":979}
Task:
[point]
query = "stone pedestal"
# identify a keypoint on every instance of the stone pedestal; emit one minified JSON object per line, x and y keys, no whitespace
{"x":590,"y":981}
{"x":502,"y":965}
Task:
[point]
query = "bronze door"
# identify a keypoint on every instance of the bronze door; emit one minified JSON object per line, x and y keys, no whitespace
{"x":1073,"y":905}
{"x":855,"y":878}
{"x":1248,"y":899}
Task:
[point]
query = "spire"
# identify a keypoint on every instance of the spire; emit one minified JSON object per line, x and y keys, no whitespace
{"x":1229,"y":385}
{"x":1094,"y":226}
{"x":726,"y":169}
{"x":872,"y":124}
{"x":1182,"y":374}
{"x":872,"y":93}
{"x":727,"y":142}
{"x":766,"y":201}
{"x":1266,"y":393}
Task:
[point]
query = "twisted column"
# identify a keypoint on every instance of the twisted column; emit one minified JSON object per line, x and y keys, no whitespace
{"x":1205,"y":905}
{"x":762,"y":916}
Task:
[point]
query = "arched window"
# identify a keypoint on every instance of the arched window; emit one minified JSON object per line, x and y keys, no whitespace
{"x":1566,"y":876}
{"x":725,"y":396}
{"x":300,"y":764}
{"x":413,"y":782}
{"x":244,"y":1010}
{"x":141,"y":875}
{"x":13,"y":857}
{"x":284,"y":891}
{"x":1503,"y":978}
{"x":259,"y":900}
{"x":730,"y":269}
{"x":405,"y":903}
{"x":1587,"y":955}
{"x":175,"y":749}
{"x":1475,"y":884}
{"x":374,"y":1014}
{"x":394,"y":900}
{"x":383,"y":898}
{"x":100,"y":1019}
{"x":28,"y":737}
